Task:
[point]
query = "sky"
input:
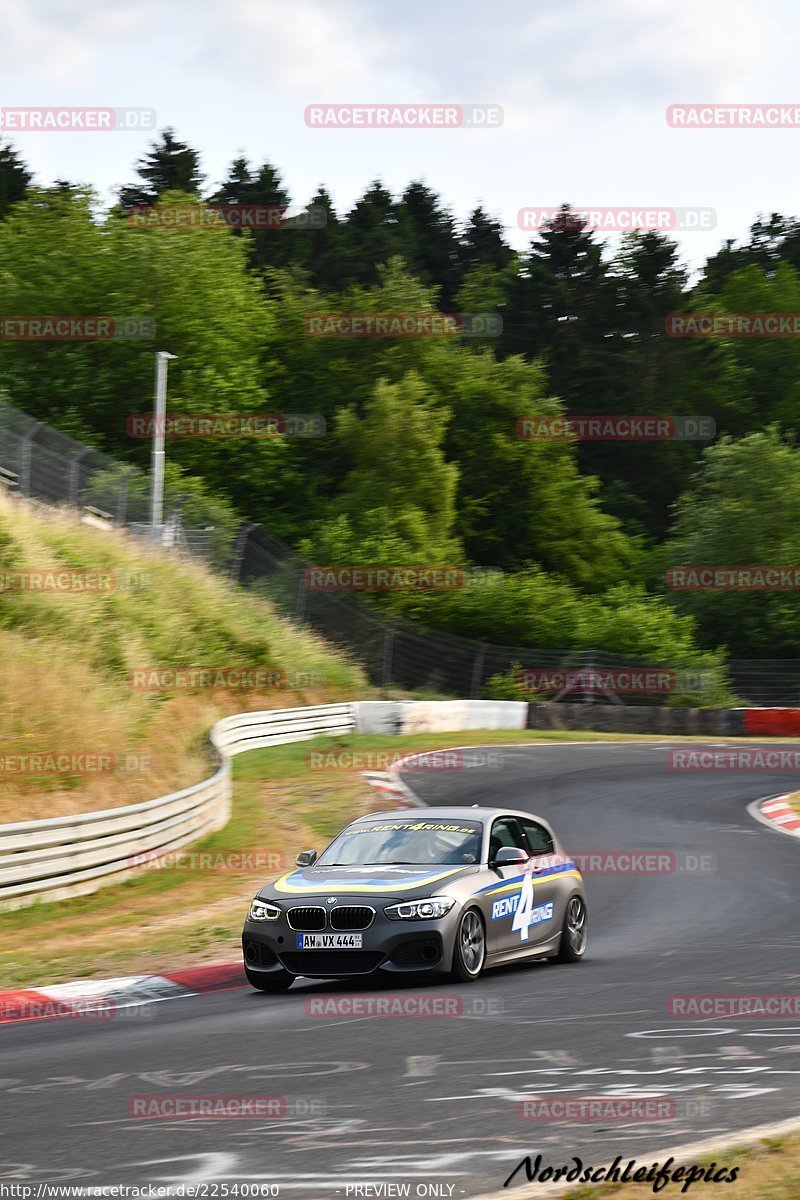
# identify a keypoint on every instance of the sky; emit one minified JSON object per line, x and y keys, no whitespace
{"x":584,"y":86}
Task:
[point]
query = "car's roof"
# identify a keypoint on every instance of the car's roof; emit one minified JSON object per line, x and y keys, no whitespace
{"x":462,"y":813}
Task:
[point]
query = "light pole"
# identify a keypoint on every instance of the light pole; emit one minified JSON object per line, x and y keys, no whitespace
{"x":157,"y":483}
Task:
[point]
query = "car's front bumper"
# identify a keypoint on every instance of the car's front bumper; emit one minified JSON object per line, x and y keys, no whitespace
{"x":393,"y":947}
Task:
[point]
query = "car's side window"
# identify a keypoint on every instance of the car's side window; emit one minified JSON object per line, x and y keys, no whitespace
{"x":505,"y":832}
{"x":538,"y":840}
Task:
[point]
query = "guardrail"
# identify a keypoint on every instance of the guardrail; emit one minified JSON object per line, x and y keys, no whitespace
{"x":74,"y":855}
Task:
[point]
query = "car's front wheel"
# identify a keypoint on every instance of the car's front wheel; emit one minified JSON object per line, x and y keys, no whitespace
{"x":469,"y":952}
{"x":269,"y":981}
{"x":573,"y":934}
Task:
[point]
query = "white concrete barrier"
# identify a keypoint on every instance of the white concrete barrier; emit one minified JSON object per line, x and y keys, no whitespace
{"x":439,"y":716}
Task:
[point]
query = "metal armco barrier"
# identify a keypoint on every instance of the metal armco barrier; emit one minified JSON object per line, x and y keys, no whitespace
{"x":701,"y":722}
{"x":71,"y":856}
{"x":613,"y":718}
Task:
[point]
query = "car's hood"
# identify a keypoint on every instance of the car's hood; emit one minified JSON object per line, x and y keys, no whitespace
{"x":374,"y":880}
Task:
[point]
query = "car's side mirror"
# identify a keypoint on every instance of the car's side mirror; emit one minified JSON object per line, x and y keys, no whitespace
{"x":306,"y":858}
{"x":509,"y":856}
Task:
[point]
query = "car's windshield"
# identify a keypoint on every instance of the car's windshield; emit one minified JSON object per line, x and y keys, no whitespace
{"x":414,"y":843}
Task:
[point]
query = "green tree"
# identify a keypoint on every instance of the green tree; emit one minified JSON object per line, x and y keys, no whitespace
{"x":15,"y":178}
{"x":191,"y":282}
{"x":170,"y":166}
{"x":427,"y":242}
{"x":742,"y":509}
{"x":370,"y":236}
{"x":273,"y":244}
{"x":318,"y":247}
{"x":397,"y":503}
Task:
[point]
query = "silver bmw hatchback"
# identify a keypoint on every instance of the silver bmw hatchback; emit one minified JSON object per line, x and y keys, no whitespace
{"x":419,"y":891}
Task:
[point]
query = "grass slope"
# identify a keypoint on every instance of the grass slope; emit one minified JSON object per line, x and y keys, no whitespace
{"x":66,"y":656}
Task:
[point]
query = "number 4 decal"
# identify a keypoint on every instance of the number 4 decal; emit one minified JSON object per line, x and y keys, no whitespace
{"x":524,"y":913}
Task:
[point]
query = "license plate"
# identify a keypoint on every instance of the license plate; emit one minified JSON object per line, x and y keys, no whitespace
{"x":329,"y":941}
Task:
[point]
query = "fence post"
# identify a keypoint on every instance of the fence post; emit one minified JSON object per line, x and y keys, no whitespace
{"x":300,"y":597}
{"x":74,"y":475}
{"x":238,"y":554}
{"x":588,"y":696}
{"x":477,"y":672}
{"x":27,"y":451}
{"x":388,"y":648}
{"x":122,"y":495}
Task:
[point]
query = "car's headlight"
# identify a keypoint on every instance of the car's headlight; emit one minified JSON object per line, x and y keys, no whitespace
{"x":261,"y":911}
{"x":420,"y":910}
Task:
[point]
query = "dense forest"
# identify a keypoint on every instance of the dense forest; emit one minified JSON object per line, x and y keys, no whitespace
{"x":568,"y":543}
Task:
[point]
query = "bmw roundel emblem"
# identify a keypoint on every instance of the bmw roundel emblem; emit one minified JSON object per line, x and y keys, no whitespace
{"x":331,"y":899}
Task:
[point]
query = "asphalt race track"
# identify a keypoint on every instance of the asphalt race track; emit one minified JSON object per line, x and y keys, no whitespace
{"x":427,"y":1100}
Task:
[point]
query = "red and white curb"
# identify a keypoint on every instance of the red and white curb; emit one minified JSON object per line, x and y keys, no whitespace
{"x":778,"y":814}
{"x":392,"y":787}
{"x":103,"y":999}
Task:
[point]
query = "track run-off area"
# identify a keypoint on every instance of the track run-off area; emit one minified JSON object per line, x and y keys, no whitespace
{"x":437,"y":1098}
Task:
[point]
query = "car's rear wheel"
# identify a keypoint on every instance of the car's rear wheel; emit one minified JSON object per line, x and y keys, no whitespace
{"x":469,"y":952}
{"x":573,"y":934}
{"x":269,"y":981}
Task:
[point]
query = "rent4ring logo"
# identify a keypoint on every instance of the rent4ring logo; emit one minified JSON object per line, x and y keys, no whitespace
{"x":508,"y":905}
